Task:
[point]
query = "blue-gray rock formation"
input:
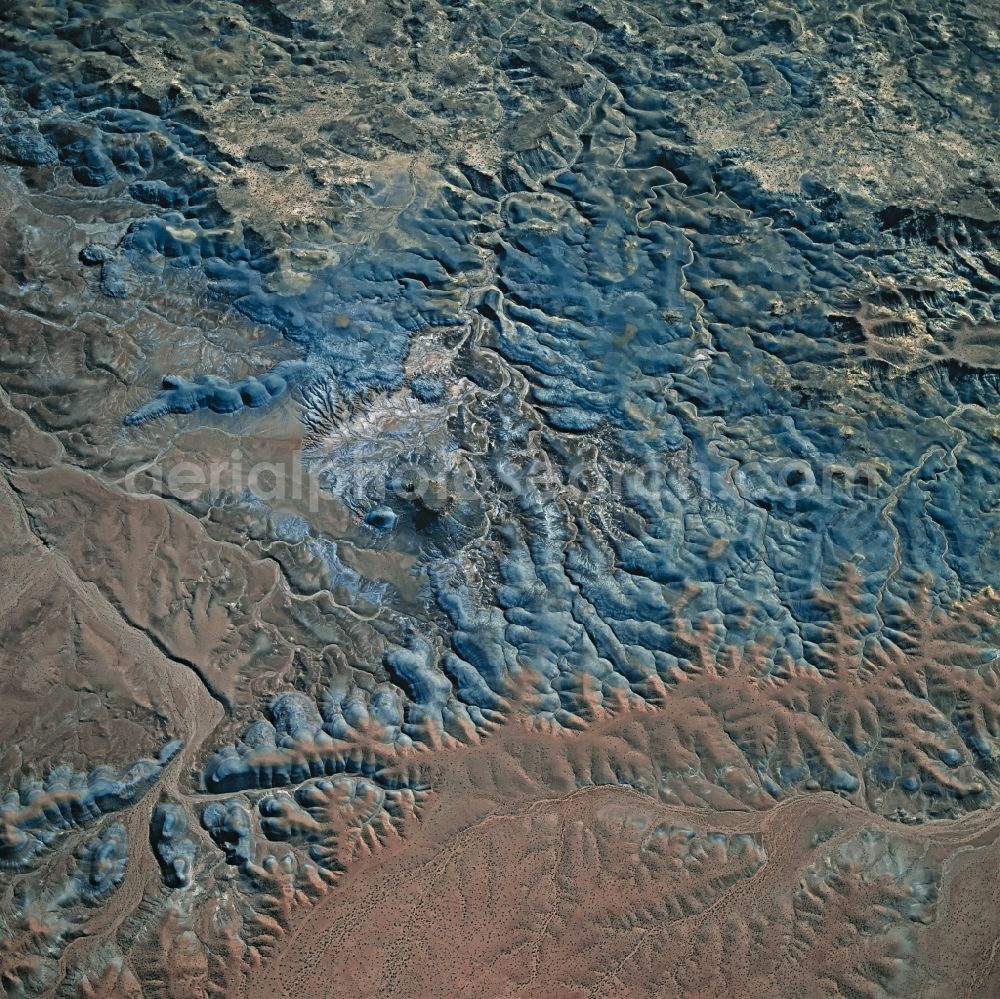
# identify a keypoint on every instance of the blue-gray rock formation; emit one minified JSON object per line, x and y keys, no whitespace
{"x":217,"y":395}
{"x":175,"y":851}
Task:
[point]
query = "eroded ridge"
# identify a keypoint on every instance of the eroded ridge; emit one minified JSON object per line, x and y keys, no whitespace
{"x":218,"y":395}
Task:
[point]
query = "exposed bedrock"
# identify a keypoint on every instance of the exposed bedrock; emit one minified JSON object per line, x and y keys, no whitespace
{"x":219,"y":396}
{"x":175,"y":851}
{"x":34,"y":815}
